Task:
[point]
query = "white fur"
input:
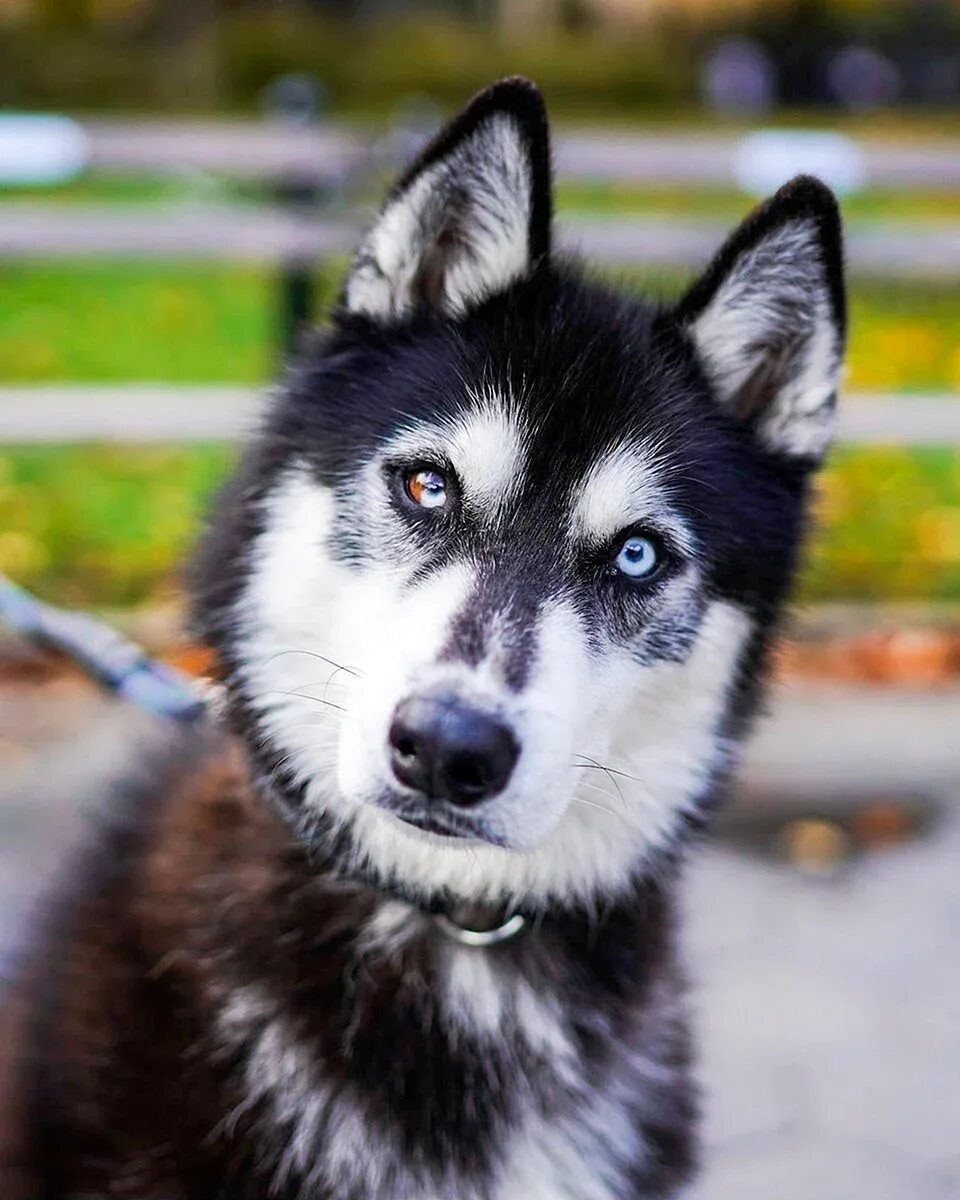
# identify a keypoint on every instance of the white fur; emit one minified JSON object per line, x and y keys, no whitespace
{"x":489,"y":175}
{"x":475,"y":994}
{"x":665,"y":740}
{"x":622,"y":488}
{"x":784,"y":272}
{"x":578,"y":1157}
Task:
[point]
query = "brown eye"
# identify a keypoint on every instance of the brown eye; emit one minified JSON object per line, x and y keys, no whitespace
{"x":426,"y":487}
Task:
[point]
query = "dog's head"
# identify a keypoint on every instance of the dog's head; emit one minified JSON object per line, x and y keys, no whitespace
{"x":494,"y":586}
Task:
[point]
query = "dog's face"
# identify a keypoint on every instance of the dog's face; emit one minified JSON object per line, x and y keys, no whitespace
{"x":496,"y":583}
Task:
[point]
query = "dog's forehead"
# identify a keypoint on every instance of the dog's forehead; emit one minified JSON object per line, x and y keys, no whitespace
{"x":507,"y":458}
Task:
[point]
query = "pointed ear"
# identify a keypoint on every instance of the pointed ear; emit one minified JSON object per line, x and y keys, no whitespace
{"x":468,"y":218}
{"x":768,"y":320}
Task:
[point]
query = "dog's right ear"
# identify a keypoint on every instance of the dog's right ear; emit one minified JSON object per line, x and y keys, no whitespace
{"x":470,"y":217}
{"x":768,"y":323}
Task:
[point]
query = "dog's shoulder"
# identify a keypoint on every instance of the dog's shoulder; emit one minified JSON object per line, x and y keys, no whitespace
{"x":101,"y":1015}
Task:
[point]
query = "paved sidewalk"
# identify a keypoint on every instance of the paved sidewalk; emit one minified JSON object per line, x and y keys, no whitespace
{"x":827,"y":1008}
{"x":829,"y":1026}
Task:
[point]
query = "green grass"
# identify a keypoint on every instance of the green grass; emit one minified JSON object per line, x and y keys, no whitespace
{"x":109,"y":322}
{"x":103,"y":188}
{"x":887,"y":526}
{"x":118,"y":189}
{"x":212,"y":323}
{"x":729,"y":204}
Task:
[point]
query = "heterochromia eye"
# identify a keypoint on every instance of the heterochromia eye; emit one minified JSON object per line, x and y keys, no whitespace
{"x":426,"y":487}
{"x":638,"y":558}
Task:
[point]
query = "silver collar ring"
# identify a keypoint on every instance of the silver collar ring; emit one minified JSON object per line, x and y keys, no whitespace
{"x":479,"y":938}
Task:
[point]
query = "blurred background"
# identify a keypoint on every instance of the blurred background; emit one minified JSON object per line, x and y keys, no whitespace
{"x":180,"y":184}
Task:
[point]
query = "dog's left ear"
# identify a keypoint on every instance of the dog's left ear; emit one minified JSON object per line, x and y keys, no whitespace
{"x":468,"y":218}
{"x":768,"y":320}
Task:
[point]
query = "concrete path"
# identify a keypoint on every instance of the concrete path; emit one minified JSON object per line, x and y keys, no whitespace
{"x":928,"y":250}
{"x":826,"y":1007}
{"x":829,"y":1025}
{"x":140,"y":412}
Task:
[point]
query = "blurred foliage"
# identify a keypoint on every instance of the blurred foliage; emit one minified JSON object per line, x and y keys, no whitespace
{"x":138,"y":60}
{"x":203,"y":55}
{"x":106,"y":321}
{"x":888,"y":526}
{"x":904,"y":336}
{"x":596,"y":198}
{"x":104,"y":524}
{"x":613,"y":199}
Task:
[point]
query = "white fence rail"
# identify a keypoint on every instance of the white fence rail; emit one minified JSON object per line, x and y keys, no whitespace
{"x":269,"y":234}
{"x":267,"y":148}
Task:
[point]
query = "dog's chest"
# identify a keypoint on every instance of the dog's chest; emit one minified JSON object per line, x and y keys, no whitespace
{"x":474,"y":1084}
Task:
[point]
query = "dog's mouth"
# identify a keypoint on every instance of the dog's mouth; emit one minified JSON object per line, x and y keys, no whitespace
{"x":439,"y":819}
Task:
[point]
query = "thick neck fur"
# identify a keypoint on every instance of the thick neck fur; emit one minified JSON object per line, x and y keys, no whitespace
{"x":311,"y":1037}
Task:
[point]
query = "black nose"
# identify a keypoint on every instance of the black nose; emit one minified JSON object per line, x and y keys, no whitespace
{"x":447,"y":750}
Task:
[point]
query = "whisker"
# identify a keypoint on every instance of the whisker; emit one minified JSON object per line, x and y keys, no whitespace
{"x":592,"y":762}
{"x":612,"y":770}
{"x":313,"y":654}
{"x":326,"y":686}
{"x":322,"y":683}
{"x":303,"y":696}
{"x":299,"y":750}
{"x":602,"y":808}
{"x":603,"y":791}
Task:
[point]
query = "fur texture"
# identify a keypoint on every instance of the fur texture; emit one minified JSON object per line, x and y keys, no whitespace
{"x":249,"y":994}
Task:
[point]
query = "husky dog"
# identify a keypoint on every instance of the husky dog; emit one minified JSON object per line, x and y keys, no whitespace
{"x":492,"y":594}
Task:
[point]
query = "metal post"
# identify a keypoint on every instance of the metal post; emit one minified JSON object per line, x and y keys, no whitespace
{"x":296,"y":100}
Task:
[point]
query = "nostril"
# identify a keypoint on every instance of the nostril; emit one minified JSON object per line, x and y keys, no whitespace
{"x":448,"y":750}
{"x":409,"y":756}
{"x":405,"y":747}
{"x":467,"y":775}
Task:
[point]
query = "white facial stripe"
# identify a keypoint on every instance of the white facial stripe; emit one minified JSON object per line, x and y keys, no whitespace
{"x":487,"y":448}
{"x":621,"y":489}
{"x":485,"y":445}
{"x":403,"y":635}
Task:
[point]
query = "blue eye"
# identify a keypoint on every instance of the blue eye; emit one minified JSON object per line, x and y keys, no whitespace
{"x":638,"y":558}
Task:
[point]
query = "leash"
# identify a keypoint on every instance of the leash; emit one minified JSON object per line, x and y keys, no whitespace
{"x":117,"y":664}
